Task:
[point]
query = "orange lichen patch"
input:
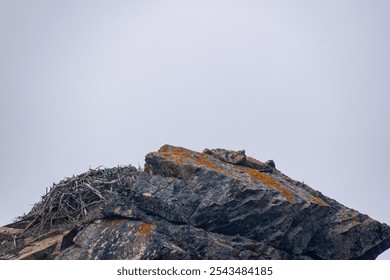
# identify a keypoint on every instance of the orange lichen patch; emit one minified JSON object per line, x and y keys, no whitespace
{"x":144,"y":229}
{"x":202,"y":159}
{"x":178,"y":158}
{"x":180,"y":155}
{"x":257,"y":175}
{"x":318,"y":201}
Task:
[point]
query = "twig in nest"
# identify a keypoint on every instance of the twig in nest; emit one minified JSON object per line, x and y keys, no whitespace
{"x":73,"y":198}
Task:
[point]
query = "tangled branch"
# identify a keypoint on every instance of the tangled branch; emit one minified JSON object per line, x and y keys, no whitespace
{"x":72,"y":199}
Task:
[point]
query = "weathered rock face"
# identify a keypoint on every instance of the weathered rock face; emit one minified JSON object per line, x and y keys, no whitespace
{"x":218,"y":204}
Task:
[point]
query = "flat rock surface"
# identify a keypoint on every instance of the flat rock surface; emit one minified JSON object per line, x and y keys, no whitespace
{"x":218,"y":204}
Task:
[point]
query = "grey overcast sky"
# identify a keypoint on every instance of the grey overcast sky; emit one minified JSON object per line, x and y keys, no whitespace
{"x":90,"y":83}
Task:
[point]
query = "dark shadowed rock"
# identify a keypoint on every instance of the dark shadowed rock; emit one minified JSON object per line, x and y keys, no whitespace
{"x":219,"y":204}
{"x":258,"y":165}
{"x":270,"y":163}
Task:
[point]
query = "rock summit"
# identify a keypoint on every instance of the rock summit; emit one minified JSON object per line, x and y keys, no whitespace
{"x":215,"y":204}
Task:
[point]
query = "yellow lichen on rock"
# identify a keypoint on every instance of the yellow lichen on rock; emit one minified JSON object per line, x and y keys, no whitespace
{"x":144,"y":229}
{"x":318,"y":201}
{"x":180,"y":155}
{"x":257,"y":175}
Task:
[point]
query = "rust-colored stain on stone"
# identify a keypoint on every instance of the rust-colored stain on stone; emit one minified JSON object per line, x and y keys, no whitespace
{"x":318,"y":201}
{"x":144,"y":229}
{"x":257,"y":175}
{"x":179,"y":155}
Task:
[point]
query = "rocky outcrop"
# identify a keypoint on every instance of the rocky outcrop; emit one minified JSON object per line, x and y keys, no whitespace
{"x":218,"y":204}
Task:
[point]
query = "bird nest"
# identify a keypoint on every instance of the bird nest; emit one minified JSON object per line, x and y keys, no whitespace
{"x":73,"y":199}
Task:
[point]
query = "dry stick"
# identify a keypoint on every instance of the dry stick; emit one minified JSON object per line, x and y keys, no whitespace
{"x":70,"y":206}
{"x":65,"y":210}
{"x":82,"y":206}
{"x":92,"y":203}
{"x":30,"y":224}
{"x":57,"y":196}
{"x":94,"y":190}
{"x":62,"y":195}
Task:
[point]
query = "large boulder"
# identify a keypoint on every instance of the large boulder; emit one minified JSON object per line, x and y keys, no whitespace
{"x":219,"y":204}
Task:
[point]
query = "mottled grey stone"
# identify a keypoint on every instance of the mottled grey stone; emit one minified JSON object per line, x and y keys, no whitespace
{"x":234,"y":157}
{"x":270,"y":163}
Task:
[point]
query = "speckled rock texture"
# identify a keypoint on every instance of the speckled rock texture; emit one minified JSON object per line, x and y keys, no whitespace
{"x":216,"y":204}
